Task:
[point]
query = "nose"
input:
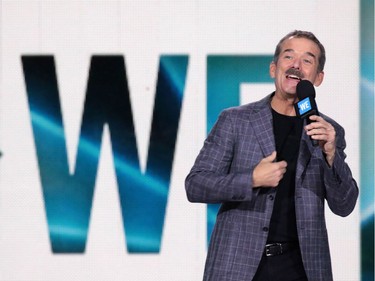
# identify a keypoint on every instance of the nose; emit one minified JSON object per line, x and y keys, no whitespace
{"x":296,"y":63}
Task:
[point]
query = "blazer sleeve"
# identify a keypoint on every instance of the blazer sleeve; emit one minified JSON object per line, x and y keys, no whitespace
{"x":211,"y":179}
{"x":341,"y":188}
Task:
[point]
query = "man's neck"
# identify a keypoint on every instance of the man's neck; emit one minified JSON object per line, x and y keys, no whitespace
{"x":284,"y":106}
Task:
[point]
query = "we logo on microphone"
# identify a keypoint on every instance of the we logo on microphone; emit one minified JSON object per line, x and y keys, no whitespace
{"x":304,"y":106}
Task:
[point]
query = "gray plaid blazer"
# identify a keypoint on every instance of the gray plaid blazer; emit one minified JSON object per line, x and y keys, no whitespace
{"x":222,"y":173}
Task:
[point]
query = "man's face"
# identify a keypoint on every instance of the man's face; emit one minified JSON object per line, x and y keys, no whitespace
{"x":298,"y":60}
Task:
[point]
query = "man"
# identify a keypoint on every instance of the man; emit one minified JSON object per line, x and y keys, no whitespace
{"x":272,"y":182}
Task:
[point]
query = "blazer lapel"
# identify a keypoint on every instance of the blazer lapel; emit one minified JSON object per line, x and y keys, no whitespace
{"x":306,"y":150}
{"x":261,"y":120}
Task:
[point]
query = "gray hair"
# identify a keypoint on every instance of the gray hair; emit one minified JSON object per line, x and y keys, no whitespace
{"x":307,"y":35}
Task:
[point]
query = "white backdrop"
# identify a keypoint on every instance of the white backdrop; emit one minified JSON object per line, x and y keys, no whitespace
{"x":73,"y":31}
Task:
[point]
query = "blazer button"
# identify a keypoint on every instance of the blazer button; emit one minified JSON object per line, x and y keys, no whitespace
{"x":265,"y":229}
{"x":271,"y":197}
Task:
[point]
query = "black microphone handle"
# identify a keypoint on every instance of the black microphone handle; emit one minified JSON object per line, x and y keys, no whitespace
{"x":308,"y":121}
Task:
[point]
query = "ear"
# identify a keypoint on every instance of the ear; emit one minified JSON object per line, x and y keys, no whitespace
{"x":319,"y":79}
{"x":272,"y":70}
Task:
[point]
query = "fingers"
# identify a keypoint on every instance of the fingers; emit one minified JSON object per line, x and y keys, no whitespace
{"x":320,"y":130}
{"x":270,"y":158}
{"x":268,"y":173}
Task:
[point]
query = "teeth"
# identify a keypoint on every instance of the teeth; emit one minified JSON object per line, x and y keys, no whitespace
{"x":293,"y":77}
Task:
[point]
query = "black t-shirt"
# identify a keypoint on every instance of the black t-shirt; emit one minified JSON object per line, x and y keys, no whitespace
{"x":287,"y":131}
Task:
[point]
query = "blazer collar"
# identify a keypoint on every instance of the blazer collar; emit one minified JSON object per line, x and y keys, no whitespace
{"x":261,"y":120}
{"x":306,"y":151}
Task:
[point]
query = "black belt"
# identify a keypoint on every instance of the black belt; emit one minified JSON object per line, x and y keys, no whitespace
{"x":275,"y":249}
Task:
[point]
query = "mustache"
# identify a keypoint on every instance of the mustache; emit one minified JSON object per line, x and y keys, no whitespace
{"x":296,"y":72}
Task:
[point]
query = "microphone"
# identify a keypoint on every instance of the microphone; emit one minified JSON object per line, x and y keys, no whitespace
{"x":306,"y":106}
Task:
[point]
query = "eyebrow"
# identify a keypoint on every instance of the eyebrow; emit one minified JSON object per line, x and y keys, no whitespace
{"x":308,"y":53}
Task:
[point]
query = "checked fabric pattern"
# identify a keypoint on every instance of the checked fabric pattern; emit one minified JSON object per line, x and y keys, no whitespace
{"x":222,"y":173}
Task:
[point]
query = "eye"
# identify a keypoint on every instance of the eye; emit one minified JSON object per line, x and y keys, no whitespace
{"x":307,"y":61}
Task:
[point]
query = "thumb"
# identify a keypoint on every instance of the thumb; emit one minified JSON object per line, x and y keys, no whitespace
{"x":271,"y":157}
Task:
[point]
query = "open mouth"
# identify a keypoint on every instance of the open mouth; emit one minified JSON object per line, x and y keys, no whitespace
{"x":295,"y":77}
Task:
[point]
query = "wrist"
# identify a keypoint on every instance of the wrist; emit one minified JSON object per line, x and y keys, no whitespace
{"x":329,"y":158}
